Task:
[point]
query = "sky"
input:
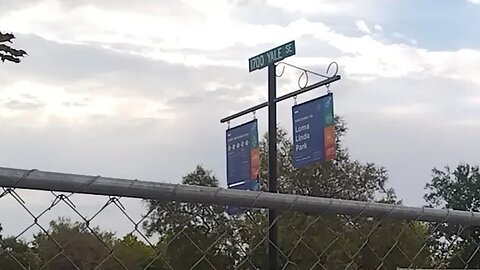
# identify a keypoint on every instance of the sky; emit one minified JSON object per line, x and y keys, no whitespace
{"x":136,"y":89}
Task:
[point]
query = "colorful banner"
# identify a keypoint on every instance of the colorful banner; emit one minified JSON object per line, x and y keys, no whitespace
{"x":313,"y":131}
{"x":243,"y":159}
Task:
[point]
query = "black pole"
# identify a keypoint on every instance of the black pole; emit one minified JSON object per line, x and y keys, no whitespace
{"x":272,"y":166}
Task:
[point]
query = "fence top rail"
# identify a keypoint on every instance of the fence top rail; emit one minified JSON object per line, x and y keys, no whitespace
{"x":98,"y":185}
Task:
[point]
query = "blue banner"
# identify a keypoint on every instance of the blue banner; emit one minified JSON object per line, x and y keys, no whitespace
{"x":243,"y":156}
{"x":313,"y":131}
{"x":243,"y":160}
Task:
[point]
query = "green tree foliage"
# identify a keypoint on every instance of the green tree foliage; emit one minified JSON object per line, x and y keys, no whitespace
{"x":331,"y":240}
{"x":69,"y":245}
{"x":186,"y":230}
{"x":16,"y":254}
{"x":203,"y":236}
{"x":305,"y":240}
{"x":7,"y":52}
{"x":455,"y":246}
{"x":341,"y":178}
{"x":73,"y":245}
{"x":133,"y":253}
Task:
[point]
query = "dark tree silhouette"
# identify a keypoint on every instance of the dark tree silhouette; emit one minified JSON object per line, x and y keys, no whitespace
{"x":8,"y":53}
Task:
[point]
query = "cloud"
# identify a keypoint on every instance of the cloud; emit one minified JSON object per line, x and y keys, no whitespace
{"x":477,"y":2}
{"x":143,"y":104}
{"x":260,"y":13}
{"x":224,"y":45}
{"x":402,"y":37}
{"x":367,"y":56}
{"x":9,"y":6}
{"x":211,"y":30}
{"x":115,"y":73}
{"x":314,"y":6}
{"x":362,"y":26}
{"x":129,"y":29}
{"x":378,"y":27}
{"x":409,"y":125}
{"x":23,"y":102}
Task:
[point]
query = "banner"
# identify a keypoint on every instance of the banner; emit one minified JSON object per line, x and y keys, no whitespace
{"x":243,"y":159}
{"x":313,"y":131}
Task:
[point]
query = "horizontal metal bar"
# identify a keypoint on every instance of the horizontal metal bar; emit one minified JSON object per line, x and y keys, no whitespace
{"x":247,"y":111}
{"x":38,"y":180}
{"x":281,"y":98}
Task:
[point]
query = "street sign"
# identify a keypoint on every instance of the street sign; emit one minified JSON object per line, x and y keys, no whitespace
{"x":243,"y":156}
{"x":313,"y":131}
{"x":324,"y":151}
{"x":269,"y":57}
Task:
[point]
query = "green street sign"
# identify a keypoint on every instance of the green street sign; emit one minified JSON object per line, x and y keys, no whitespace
{"x":269,"y":57}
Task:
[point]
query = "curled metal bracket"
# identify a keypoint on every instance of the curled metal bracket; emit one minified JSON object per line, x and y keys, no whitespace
{"x":281,"y":73}
{"x":335,"y":64}
{"x":304,"y":76}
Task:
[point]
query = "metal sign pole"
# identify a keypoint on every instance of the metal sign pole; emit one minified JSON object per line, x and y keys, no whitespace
{"x":272,"y":166}
{"x":268,"y":59}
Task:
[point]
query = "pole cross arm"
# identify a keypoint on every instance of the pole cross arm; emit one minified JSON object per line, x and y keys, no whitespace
{"x":281,"y":98}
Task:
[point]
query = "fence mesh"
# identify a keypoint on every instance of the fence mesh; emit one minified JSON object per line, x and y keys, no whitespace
{"x":58,"y":230}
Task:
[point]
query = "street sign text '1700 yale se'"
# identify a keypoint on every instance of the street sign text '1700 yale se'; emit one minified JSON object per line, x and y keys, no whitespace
{"x":272,"y":56}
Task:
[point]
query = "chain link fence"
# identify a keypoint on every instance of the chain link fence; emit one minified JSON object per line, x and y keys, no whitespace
{"x":186,"y":227}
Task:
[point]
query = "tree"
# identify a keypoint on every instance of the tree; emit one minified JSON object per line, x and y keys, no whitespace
{"x":332,"y":240}
{"x":15,"y":254}
{"x":8,"y":53}
{"x":305,"y":241}
{"x":193,"y":234}
{"x":342,"y":178}
{"x":72,"y":245}
{"x":133,"y":253}
{"x":455,"y":245}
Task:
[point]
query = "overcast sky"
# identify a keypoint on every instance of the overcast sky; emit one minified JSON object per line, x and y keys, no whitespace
{"x":136,"y":89}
